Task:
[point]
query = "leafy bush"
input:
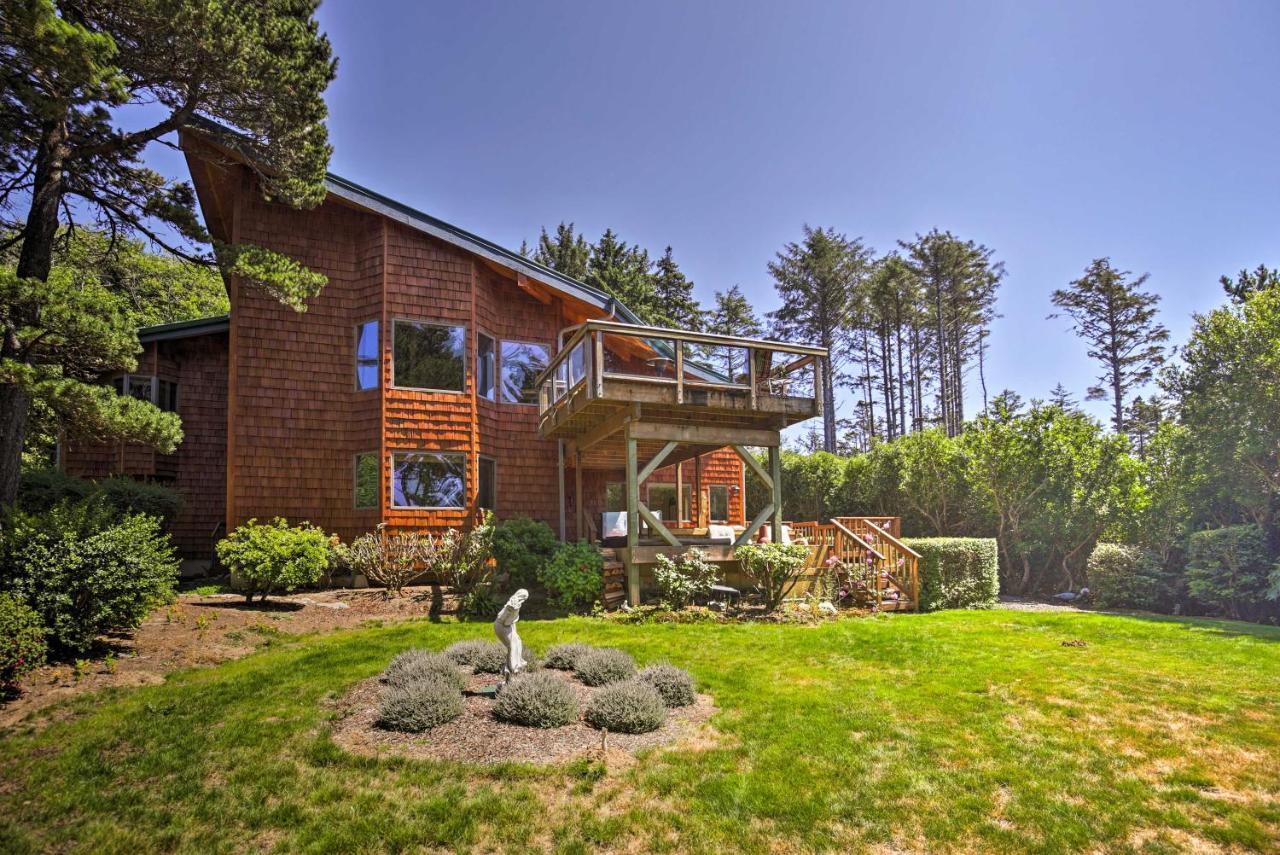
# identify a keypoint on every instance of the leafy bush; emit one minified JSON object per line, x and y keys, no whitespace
{"x":1230,"y":571}
{"x":574,"y":575}
{"x":522,"y":547}
{"x":469,"y":570}
{"x":1126,"y":577}
{"x":540,"y":699}
{"x":419,"y":705}
{"x":605,"y":665}
{"x":681,"y":580}
{"x":957,"y":572}
{"x":43,"y":489}
{"x":414,"y":665}
{"x":627,"y":707}
{"x":86,"y":573}
{"x":483,"y":657}
{"x":275,"y":556}
{"x":22,"y":644}
{"x":127,"y":496}
{"x":563,"y":657}
{"x":773,"y":567}
{"x":674,"y":685}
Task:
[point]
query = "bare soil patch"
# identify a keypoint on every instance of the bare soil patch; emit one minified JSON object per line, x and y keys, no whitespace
{"x":202,"y":631}
{"x":477,"y":737}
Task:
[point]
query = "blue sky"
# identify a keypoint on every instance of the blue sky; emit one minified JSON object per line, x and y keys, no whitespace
{"x":1051,"y":132}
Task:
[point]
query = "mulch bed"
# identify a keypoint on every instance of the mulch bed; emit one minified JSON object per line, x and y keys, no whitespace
{"x":477,"y":737}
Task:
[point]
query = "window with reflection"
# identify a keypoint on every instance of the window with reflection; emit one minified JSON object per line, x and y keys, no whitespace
{"x":367,"y":356}
{"x":429,"y":356}
{"x":366,"y":481}
{"x":422,"y":479}
{"x":521,"y":363}
{"x":718,"y":503}
{"x":486,"y":367}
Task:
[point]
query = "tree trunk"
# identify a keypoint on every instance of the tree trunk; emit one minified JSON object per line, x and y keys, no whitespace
{"x":902,"y":392}
{"x":34,"y":262}
{"x":828,"y":409}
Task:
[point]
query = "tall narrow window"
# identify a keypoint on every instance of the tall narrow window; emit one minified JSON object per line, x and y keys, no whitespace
{"x":429,"y":356}
{"x":662,"y":501}
{"x":421,"y":479}
{"x":615,"y":496}
{"x":367,"y":362}
{"x":366,"y":481}
{"x":521,"y":364}
{"x":488,"y":486}
{"x":486,"y":367}
{"x":718,"y":503}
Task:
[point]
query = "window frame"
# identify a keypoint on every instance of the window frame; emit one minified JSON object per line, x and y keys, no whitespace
{"x":126,"y":377}
{"x":684,"y":500}
{"x":355,"y":356}
{"x":499,"y":386}
{"x":355,"y":482}
{"x":430,"y":323}
{"x":711,"y":519}
{"x":391,"y":475}
{"x":493,"y":462}
{"x":495,"y":384}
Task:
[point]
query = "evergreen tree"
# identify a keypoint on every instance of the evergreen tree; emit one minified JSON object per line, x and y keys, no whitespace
{"x":1062,"y":398}
{"x":733,"y":316}
{"x":1250,"y":282}
{"x":66,"y":66}
{"x":624,"y":272}
{"x":1142,"y":421}
{"x":958,"y":280}
{"x":818,"y":281}
{"x":1118,"y":321}
{"x":673,"y":293}
{"x":565,"y":253}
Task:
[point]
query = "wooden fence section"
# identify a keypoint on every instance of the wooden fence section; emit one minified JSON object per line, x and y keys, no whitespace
{"x":874,"y":541}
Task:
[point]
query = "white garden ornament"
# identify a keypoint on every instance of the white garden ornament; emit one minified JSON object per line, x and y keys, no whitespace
{"x":504,"y":626}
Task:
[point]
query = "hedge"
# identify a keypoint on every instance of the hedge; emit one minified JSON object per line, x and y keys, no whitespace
{"x":957,"y":572}
{"x":1231,"y":572}
{"x":1126,"y":577}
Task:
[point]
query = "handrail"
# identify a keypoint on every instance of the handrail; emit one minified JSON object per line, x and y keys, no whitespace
{"x":638,"y":331}
{"x":896,"y":564}
{"x":887,"y":535}
{"x":861,"y":541}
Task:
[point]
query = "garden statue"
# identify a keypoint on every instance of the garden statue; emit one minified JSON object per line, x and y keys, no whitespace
{"x":504,"y":626}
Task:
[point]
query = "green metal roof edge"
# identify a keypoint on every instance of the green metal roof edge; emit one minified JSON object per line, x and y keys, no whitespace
{"x":185,"y":329}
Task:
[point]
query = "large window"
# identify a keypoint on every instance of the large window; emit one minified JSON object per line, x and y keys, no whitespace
{"x":429,"y":356}
{"x":521,"y":364}
{"x":488,"y":486}
{"x":367,"y":362}
{"x":423,"y":479}
{"x":486,"y":367}
{"x":718,"y":503}
{"x":366,"y":480}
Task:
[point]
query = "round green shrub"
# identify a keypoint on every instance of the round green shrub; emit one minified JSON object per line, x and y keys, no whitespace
{"x":22,"y":644}
{"x":1125,"y":577}
{"x":674,"y":685}
{"x":606,"y":665}
{"x":483,"y":657}
{"x":420,"y":705}
{"x":275,"y":556}
{"x":43,"y":489}
{"x":522,"y":546}
{"x":630,"y":706}
{"x":574,"y":576}
{"x":540,"y":699}
{"x":417,"y":664}
{"x":563,"y":657}
{"x":85,"y":572}
{"x":128,"y":496}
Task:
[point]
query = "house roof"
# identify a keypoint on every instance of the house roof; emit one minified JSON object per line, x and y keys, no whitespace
{"x":185,"y":329}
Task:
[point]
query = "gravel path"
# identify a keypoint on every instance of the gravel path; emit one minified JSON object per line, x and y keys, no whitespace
{"x":1020,"y":604}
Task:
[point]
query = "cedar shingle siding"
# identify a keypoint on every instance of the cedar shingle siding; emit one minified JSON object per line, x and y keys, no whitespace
{"x":272,"y":416}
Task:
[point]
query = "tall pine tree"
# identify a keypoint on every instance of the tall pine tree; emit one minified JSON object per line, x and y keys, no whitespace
{"x":733,"y":316}
{"x":817,"y":280}
{"x":1118,"y":321}
{"x":566,"y":252}
{"x":673,"y":291}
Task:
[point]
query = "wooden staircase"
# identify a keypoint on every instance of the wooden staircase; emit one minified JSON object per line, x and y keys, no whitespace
{"x":875,"y":541}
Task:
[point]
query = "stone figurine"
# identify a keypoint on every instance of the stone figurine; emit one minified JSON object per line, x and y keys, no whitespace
{"x":504,"y":626}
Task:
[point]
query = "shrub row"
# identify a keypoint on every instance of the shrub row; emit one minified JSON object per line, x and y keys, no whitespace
{"x":957,"y":572}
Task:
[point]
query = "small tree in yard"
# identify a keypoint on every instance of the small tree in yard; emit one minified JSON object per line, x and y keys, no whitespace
{"x":275,"y":556}
{"x":774,"y":567}
{"x":390,"y":560}
{"x":469,"y":570}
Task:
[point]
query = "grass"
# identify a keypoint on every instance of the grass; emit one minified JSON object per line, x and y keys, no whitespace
{"x":970,"y":731}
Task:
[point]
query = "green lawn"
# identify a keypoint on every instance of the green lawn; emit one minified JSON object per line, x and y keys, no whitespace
{"x":960,"y":730}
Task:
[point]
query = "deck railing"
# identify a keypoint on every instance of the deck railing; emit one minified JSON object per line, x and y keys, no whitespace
{"x":692,"y":361}
{"x":873,"y":540}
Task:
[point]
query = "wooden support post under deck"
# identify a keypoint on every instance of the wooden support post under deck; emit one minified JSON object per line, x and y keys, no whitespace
{"x":633,"y":520}
{"x":775,"y":472}
{"x":581,"y":515}
{"x":560,"y":478}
